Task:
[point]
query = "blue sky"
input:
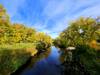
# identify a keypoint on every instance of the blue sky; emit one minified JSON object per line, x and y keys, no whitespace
{"x":50,"y":16}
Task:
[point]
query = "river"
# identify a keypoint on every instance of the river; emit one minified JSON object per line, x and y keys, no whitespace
{"x":46,"y":63}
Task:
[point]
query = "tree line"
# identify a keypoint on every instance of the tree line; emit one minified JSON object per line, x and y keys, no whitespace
{"x":19,"y":33}
{"x":84,"y":31}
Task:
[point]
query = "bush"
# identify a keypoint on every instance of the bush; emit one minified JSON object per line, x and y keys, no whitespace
{"x":42,"y":46}
{"x":61,"y":43}
{"x":88,"y":57}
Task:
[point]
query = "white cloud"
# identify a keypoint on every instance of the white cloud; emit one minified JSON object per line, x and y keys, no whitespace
{"x":92,"y":11}
{"x":60,"y":11}
{"x":12,"y":6}
{"x":55,"y":8}
{"x":83,"y":7}
{"x":39,"y":26}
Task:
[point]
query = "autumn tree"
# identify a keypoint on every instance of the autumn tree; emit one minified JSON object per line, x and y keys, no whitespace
{"x":5,"y":27}
{"x":19,"y":33}
{"x":81,"y":31}
{"x":43,"y":41}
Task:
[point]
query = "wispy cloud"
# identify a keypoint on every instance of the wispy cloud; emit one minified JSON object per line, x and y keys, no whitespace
{"x":50,"y":16}
{"x":12,"y":6}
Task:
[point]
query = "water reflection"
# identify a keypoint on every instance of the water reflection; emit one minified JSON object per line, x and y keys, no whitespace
{"x":62,"y":56}
{"x":38,"y":58}
{"x":45,"y":64}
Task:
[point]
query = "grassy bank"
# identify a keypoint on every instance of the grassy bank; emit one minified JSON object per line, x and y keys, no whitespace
{"x":13,"y":56}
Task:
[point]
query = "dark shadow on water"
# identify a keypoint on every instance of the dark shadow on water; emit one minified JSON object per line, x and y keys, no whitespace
{"x":22,"y":67}
{"x":46,"y":63}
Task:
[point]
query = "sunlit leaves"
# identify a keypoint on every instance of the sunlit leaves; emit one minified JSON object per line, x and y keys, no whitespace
{"x":43,"y":39}
{"x":18,"y":33}
{"x":81,"y":31}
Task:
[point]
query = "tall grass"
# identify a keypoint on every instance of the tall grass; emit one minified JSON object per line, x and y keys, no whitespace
{"x":13,"y":56}
{"x":17,"y":46}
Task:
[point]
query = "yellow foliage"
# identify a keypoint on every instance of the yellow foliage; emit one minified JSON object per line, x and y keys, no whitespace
{"x":93,"y":44}
{"x":33,"y":51}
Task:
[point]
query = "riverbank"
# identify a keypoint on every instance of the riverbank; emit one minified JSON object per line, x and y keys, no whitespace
{"x":14,"y":56}
{"x":46,"y":63}
{"x":31,"y":61}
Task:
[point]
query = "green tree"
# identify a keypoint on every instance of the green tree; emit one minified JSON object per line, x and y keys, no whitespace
{"x":81,"y":31}
{"x":44,"y":41}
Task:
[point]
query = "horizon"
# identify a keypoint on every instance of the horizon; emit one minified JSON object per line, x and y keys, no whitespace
{"x":50,"y":16}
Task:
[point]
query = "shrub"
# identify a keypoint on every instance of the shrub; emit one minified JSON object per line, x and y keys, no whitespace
{"x":42,"y":46}
{"x":88,"y":57}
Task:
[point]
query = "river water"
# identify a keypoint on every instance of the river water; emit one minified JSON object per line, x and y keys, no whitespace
{"x":46,"y":63}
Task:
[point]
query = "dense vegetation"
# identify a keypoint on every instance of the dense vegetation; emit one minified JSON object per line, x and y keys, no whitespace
{"x":83,"y":31}
{"x":18,"y":43}
{"x":18,"y":33}
{"x":84,"y":35}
